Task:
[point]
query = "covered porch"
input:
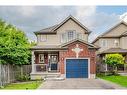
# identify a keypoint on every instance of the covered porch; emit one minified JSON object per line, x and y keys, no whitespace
{"x":45,"y":61}
{"x":122,"y":68}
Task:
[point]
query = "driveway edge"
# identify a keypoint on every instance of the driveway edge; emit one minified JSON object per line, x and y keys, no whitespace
{"x":116,"y":86}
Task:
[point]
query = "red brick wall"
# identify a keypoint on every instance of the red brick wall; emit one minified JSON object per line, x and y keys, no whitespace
{"x":86,"y":53}
{"x":36,"y":58}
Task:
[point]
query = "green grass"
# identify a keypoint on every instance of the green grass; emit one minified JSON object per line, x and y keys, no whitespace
{"x":22,"y":86}
{"x":120,"y":80}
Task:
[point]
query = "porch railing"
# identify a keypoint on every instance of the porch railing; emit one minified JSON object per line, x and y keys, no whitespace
{"x":40,"y":67}
{"x":43,"y":68}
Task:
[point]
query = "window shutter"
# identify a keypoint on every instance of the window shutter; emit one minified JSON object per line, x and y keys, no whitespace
{"x":61,"y":38}
{"x":104,"y":43}
{"x":79,"y":35}
{"x":66,"y":37}
{"x":75,"y":35}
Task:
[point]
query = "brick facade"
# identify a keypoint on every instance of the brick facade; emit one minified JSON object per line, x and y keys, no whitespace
{"x":86,"y":53}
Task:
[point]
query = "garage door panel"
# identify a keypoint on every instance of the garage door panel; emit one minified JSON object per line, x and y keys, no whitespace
{"x":77,"y":68}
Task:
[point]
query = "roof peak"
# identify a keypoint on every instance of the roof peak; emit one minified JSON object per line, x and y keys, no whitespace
{"x":117,"y":24}
{"x":53,"y":28}
{"x":80,"y":40}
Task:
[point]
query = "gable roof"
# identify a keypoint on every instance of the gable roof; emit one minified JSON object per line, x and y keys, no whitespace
{"x":47,"y":47}
{"x":46,"y":30}
{"x":124,"y":34}
{"x":63,"y":46}
{"x":51,"y":30}
{"x":103,"y":34}
{"x":82,"y":41}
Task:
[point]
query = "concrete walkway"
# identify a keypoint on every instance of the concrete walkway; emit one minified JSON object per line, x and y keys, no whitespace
{"x":80,"y":84}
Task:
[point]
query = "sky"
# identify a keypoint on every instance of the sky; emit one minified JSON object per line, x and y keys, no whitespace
{"x":33,"y":18}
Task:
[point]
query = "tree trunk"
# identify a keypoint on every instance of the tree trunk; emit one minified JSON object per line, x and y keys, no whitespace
{"x":113,"y":70}
{"x":116,"y":68}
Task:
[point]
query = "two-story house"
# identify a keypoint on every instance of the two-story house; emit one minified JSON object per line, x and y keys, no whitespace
{"x":112,"y":41}
{"x":64,"y":50}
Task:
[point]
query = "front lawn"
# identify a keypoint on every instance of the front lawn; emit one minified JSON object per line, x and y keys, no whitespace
{"x":23,"y":85}
{"x":120,"y":80}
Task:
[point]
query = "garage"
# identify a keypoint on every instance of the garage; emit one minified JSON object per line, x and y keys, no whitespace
{"x":77,"y":68}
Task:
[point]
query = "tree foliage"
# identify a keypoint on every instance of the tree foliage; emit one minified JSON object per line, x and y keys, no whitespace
{"x":114,"y":59}
{"x":14,"y":45}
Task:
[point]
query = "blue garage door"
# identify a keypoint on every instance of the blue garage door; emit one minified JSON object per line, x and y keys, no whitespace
{"x":77,"y":68}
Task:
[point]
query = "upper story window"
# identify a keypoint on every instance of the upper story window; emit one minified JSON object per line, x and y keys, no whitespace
{"x":104,"y":43}
{"x":70,"y":35}
{"x":43,"y":38}
{"x":116,"y":43}
{"x":63,"y":38}
{"x":79,"y":36}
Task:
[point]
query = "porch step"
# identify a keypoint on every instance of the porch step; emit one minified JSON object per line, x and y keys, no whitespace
{"x":53,"y":77}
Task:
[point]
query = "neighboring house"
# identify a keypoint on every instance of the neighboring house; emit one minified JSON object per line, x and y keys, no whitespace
{"x":112,"y":41}
{"x":64,"y":49}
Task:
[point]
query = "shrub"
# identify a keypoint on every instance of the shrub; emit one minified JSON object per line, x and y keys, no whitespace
{"x":23,"y":78}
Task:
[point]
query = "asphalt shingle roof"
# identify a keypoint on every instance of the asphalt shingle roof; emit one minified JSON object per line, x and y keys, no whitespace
{"x":51,"y":29}
{"x":47,"y":47}
{"x":63,"y":46}
{"x":114,"y":50}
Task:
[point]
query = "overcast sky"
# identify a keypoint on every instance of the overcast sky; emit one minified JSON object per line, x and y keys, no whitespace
{"x":33,"y":18}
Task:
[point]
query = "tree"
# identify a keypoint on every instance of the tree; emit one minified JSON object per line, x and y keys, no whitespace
{"x":113,"y":60}
{"x":14,"y":45}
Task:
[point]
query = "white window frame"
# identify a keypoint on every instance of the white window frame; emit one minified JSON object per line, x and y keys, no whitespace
{"x":42,"y":39}
{"x":72,"y":36}
{"x":40,"y":55}
{"x":116,"y":43}
{"x":63,"y":38}
{"x":102,"y":43}
{"x":79,"y":35}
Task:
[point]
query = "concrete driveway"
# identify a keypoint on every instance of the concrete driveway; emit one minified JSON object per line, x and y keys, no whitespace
{"x":79,"y":84}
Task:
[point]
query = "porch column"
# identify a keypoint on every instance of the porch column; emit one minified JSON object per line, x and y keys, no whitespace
{"x":33,"y":59}
{"x":106,"y":67}
{"x":125,"y":68}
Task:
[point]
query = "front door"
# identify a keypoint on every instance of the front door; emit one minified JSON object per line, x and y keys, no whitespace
{"x":53,"y":62}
